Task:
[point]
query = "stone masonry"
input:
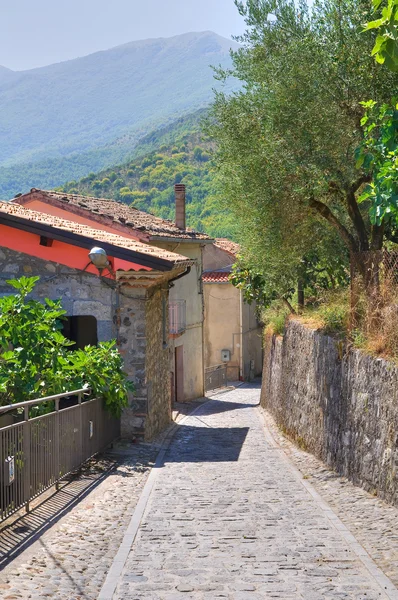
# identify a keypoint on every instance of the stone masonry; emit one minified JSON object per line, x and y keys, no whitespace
{"x":338,"y":403}
{"x":134,"y":317}
{"x":228,"y":517}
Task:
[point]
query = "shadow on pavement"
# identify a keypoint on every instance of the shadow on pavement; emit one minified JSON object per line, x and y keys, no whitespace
{"x":19,"y":532}
{"x":206,"y":444}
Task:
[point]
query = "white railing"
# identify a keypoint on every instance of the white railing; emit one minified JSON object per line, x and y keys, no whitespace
{"x":177,"y":317}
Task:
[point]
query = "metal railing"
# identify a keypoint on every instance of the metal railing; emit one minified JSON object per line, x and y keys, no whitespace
{"x":215,"y":377}
{"x":177,"y":317}
{"x":38,"y":451}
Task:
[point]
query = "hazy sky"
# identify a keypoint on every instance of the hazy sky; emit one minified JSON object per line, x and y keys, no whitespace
{"x":40,"y":32}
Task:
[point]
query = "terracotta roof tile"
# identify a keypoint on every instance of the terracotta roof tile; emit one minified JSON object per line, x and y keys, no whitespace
{"x":230,"y":247}
{"x":216,"y":276}
{"x":96,"y":235}
{"x":120,"y":213}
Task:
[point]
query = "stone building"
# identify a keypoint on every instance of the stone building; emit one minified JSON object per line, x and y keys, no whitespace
{"x":232,"y":331}
{"x":186,"y":303}
{"x":127,"y":301}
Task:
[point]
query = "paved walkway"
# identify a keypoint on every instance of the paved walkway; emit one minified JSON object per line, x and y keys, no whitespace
{"x":230,"y":517}
{"x":226,"y":516}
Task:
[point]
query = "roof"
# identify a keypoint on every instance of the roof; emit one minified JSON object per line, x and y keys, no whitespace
{"x":119,"y":212}
{"x":220,"y":276}
{"x":231,"y":247}
{"x":83,"y":235}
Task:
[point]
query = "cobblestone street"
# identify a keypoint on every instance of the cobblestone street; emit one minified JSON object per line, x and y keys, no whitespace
{"x":229,"y":518}
{"x":225,"y":514}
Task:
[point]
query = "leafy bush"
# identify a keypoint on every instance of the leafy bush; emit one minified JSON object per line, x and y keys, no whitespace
{"x":36,"y":360}
{"x":274,"y":317}
{"x":335,"y":317}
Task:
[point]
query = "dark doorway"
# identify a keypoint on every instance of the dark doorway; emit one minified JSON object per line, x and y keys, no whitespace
{"x":81,"y":330}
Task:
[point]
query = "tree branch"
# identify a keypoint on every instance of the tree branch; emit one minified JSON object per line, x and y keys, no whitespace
{"x":327,"y":214}
{"x":289,"y":306}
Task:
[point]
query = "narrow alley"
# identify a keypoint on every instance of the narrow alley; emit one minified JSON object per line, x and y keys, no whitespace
{"x":230,"y":517}
{"x":224,"y":513}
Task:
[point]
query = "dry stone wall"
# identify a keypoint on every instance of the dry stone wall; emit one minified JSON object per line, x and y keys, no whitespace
{"x":338,"y":403}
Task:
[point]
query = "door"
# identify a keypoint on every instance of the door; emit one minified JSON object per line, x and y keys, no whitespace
{"x":179,"y":374}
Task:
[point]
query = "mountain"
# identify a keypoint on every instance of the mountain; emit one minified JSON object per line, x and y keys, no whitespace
{"x":178,"y":153}
{"x":103,"y":103}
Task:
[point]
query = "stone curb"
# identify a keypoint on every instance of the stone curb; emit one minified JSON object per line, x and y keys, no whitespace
{"x":385,"y":584}
{"x":116,"y":568}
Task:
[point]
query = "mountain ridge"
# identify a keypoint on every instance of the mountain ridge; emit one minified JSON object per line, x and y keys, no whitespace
{"x":73,"y":106}
{"x":134,"y":43}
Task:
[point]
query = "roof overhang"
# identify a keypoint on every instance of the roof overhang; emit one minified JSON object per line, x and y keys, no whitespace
{"x":147,"y":279}
{"x":180,"y":240}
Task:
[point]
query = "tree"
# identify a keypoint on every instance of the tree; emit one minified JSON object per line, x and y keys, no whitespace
{"x":286,"y":142}
{"x":378,"y":153}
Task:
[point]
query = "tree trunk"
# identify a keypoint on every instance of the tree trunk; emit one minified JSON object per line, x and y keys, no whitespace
{"x":300,"y":294}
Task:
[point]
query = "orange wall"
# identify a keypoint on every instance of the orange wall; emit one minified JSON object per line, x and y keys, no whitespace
{"x":59,"y":252}
{"x":48,"y":209}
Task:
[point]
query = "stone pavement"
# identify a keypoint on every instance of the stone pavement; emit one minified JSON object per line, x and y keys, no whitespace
{"x":229,"y":517}
{"x":71,"y":559}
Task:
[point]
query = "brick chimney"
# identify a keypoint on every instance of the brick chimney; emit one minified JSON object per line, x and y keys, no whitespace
{"x":179,"y":191}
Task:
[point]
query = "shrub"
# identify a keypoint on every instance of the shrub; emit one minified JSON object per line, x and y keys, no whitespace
{"x":36,"y":360}
{"x":274,"y":318}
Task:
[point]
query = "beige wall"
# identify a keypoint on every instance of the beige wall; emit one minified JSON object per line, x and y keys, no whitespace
{"x":231,"y":325}
{"x":189,"y":288}
{"x":252,"y":342}
{"x":222,"y":325}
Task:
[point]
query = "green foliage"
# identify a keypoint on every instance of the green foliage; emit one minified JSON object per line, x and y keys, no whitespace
{"x":378,"y":156}
{"x":378,"y":153}
{"x":274,"y":317}
{"x":148,"y":182}
{"x":253,"y":285}
{"x":335,"y":316}
{"x":35,"y":358}
{"x":385,"y":49}
{"x":57,"y":126}
{"x":286,"y":142}
{"x":51,"y":172}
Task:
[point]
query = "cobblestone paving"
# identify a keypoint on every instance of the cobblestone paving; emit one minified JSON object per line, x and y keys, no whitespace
{"x":373,"y":522}
{"x":229,"y":519}
{"x":70,"y":561}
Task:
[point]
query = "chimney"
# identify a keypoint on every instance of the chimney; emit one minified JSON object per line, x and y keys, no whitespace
{"x":179,"y":191}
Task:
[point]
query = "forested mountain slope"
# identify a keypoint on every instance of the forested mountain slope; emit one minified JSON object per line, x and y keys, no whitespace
{"x":88,"y":113}
{"x":175,"y":154}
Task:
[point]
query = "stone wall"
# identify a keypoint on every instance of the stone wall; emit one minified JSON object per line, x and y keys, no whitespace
{"x":133,"y":317}
{"x":157,"y":363}
{"x":338,"y":403}
{"x":81,"y":293}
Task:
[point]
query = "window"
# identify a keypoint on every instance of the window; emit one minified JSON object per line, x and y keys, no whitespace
{"x":177,"y":317}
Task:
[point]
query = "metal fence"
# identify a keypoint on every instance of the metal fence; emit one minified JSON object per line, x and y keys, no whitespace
{"x":38,"y":451}
{"x":215,"y":377}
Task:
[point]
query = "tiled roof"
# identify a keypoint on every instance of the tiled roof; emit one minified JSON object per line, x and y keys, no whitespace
{"x":221,"y":276}
{"x":119,"y":212}
{"x":227,"y":245}
{"x":97,"y":235}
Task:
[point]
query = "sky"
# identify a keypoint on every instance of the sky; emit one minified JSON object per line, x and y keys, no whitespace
{"x":42,"y":32}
